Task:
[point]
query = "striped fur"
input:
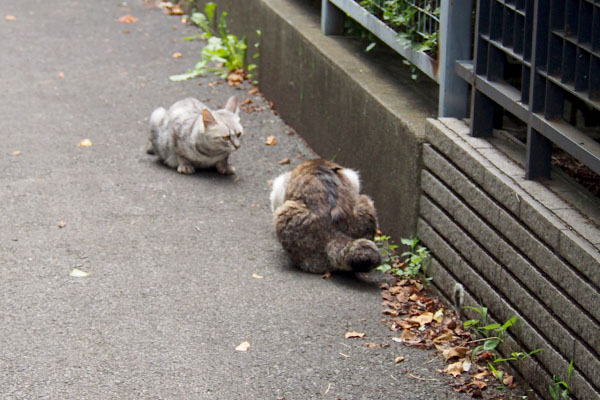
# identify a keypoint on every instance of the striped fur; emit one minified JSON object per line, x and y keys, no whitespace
{"x":322,"y":221}
{"x":190,"y":135}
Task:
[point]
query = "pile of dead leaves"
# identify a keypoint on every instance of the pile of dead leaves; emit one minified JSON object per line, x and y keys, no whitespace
{"x":425,"y":323}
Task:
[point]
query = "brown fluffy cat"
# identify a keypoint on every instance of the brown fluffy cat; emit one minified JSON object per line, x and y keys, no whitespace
{"x":322,"y":221}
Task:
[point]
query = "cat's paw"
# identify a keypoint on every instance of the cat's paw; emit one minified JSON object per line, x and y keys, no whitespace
{"x":186,"y":169}
{"x":150,"y":148}
{"x":228,"y":170}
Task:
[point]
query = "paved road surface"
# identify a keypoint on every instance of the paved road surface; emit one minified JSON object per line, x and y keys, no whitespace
{"x":171,"y":257}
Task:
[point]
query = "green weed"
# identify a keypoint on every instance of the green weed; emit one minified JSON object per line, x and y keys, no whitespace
{"x":414,"y":260}
{"x":223,"y":53}
{"x":559,"y":388}
{"x":493,"y":336}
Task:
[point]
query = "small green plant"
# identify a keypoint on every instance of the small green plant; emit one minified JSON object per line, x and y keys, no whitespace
{"x":559,"y":388}
{"x":223,"y":53}
{"x":493,"y":334}
{"x":414,"y":260}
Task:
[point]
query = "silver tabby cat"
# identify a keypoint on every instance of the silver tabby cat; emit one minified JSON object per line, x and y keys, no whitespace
{"x":190,"y":135}
{"x":322,"y":220}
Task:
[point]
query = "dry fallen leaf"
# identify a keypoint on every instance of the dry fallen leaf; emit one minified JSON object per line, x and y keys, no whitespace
{"x":176,"y":10}
{"x":16,"y":153}
{"x":185,"y":19}
{"x":445,"y":336}
{"x":284,"y":161}
{"x":326,"y":275}
{"x":353,"y":335}
{"x":454,"y":369}
{"x":422,"y":319}
{"x":10,"y":18}
{"x":254,"y":90}
{"x":482,"y":374}
{"x":244,"y":346}
{"x":61,"y":75}
{"x":127,"y":19}
{"x":508,"y":380}
{"x":77,"y":273}
{"x":85,"y":143}
{"x":271,"y":141}
{"x":377,"y":345}
{"x":62,"y":224}
{"x":409,"y":337}
{"x":460,"y":352}
{"x":177,"y":55}
{"x":234,"y":79}
{"x":398,"y":359}
{"x":439,"y":315}
{"x":257,"y":276}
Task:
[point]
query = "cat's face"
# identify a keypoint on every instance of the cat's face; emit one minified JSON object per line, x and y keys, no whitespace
{"x":223,"y":126}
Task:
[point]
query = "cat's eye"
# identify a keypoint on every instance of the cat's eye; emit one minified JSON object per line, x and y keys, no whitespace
{"x":226,"y":138}
{"x":238,"y":134}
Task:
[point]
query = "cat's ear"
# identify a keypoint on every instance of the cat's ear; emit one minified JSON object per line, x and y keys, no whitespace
{"x":232,"y":105}
{"x":208,"y":119}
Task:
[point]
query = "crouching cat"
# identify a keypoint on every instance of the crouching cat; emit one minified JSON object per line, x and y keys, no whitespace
{"x":190,"y":135}
{"x":322,"y":221}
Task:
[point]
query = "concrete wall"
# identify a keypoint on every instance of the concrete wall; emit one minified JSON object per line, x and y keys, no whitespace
{"x":343,"y":104}
{"x":504,"y":239}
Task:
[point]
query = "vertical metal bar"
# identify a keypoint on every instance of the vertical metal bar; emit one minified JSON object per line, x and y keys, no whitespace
{"x":482,"y":108}
{"x":539,"y":155}
{"x":332,"y":19}
{"x":482,"y":114}
{"x":455,"y":44}
{"x":539,"y":148}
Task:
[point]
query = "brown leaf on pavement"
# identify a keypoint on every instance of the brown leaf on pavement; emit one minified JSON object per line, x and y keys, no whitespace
{"x":444,"y":337}
{"x":177,"y":55}
{"x":398,"y":359}
{"x":16,"y":153}
{"x":454,"y":369}
{"x":234,"y":79}
{"x":422,"y":319}
{"x":10,"y":18}
{"x":284,"y":161}
{"x":127,"y":19}
{"x":176,"y":10}
{"x":326,"y":275}
{"x":354,"y":335}
{"x":271,"y":141}
{"x":460,"y":352}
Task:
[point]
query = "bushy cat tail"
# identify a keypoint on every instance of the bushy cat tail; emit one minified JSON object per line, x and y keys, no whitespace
{"x":358,"y":255}
{"x":157,"y":119}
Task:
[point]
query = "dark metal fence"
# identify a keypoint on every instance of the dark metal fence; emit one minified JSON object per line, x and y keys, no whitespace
{"x":539,"y":60}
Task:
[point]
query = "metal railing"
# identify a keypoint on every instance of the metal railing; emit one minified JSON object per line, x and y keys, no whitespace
{"x":454,"y":43}
{"x":537,"y":59}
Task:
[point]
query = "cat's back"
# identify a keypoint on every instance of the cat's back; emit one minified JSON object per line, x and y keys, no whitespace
{"x":186,"y":107}
{"x":184,"y":113}
{"x":323,"y":186}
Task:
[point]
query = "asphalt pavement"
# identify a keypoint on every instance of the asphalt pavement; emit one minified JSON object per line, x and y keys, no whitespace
{"x":182,"y":269}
